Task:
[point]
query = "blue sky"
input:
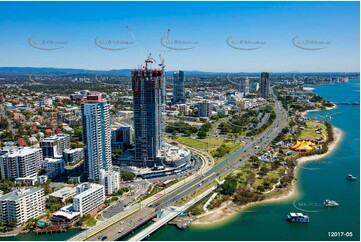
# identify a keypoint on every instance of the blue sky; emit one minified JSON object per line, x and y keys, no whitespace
{"x":205,"y":25}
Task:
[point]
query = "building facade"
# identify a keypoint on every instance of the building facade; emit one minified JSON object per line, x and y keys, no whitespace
{"x":254,"y":87}
{"x":244,"y":86}
{"x":96,"y":136}
{"x":147,"y":107}
{"x":184,"y":109}
{"x":121,"y":138}
{"x":54,"y":146}
{"x":110,"y":180}
{"x":53,"y":167}
{"x":73,"y":156}
{"x":263,"y":91}
{"x":204,"y":109}
{"x":89,"y":196}
{"x":178,"y":87}
{"x":21,"y":162}
{"x":19,"y":206}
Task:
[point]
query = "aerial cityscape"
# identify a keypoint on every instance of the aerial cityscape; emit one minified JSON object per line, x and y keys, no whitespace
{"x":180,"y":121}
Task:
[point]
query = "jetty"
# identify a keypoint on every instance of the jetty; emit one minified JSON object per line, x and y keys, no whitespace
{"x":182,"y":224}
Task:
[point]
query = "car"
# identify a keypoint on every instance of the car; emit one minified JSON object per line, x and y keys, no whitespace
{"x":104,"y":237}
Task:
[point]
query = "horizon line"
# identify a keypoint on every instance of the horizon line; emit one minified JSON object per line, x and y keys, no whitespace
{"x":109,"y":70}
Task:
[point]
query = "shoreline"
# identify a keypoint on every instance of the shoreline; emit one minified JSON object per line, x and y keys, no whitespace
{"x":229,"y":210}
{"x":303,"y":114}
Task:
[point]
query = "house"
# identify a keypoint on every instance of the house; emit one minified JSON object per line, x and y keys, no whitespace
{"x":49,"y":132}
{"x":21,"y":142}
{"x":33,"y":141}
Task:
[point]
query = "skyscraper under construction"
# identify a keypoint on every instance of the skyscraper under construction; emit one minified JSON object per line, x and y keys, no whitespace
{"x":147,"y":107}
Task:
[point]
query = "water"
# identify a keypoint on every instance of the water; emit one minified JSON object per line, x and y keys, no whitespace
{"x":267,"y":222}
{"x":44,"y":237}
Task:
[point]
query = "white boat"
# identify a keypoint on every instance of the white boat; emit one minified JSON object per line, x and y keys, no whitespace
{"x":351,"y":177}
{"x":330,"y":203}
{"x":298,"y":218}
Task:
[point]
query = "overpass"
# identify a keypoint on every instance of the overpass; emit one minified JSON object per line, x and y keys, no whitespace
{"x":175,"y":211}
{"x":101,"y":225}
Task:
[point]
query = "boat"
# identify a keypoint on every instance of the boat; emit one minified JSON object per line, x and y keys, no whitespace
{"x":351,"y":177}
{"x":330,"y":203}
{"x":298,"y":218}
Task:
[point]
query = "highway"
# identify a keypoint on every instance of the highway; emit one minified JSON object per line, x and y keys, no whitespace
{"x":125,"y":226}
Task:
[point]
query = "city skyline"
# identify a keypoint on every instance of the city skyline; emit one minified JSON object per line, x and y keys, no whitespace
{"x":223,"y":37}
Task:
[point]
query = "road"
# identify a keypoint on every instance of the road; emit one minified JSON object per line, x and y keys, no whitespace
{"x":125,"y":226}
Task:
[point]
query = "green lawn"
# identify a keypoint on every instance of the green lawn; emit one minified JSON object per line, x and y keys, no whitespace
{"x":309,"y":131}
{"x":210,"y":144}
{"x":90,"y":222}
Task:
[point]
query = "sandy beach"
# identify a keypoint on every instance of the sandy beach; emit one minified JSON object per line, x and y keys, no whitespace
{"x":229,"y":210}
{"x":315,"y":110}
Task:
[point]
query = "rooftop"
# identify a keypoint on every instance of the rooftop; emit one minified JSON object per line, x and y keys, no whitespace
{"x":20,"y":193}
{"x":92,"y":188}
{"x":63,"y":192}
{"x":20,"y":152}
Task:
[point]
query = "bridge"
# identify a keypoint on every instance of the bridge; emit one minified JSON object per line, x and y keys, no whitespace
{"x":175,"y":211}
{"x":105,"y":224}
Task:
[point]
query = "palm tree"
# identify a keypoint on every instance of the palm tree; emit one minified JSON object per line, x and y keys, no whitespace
{"x":13,"y":222}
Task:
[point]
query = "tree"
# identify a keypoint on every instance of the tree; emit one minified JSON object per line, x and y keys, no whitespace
{"x":264,"y":170}
{"x":126,"y":175}
{"x":202,"y":134}
{"x":229,"y":186}
{"x":13,"y":222}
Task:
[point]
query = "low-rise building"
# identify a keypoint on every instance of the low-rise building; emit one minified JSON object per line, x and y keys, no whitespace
{"x":184,"y":109}
{"x":65,"y":215}
{"x":64,"y":193}
{"x":53,"y":167}
{"x":54,"y":146}
{"x":120,"y":138}
{"x":73,"y":156}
